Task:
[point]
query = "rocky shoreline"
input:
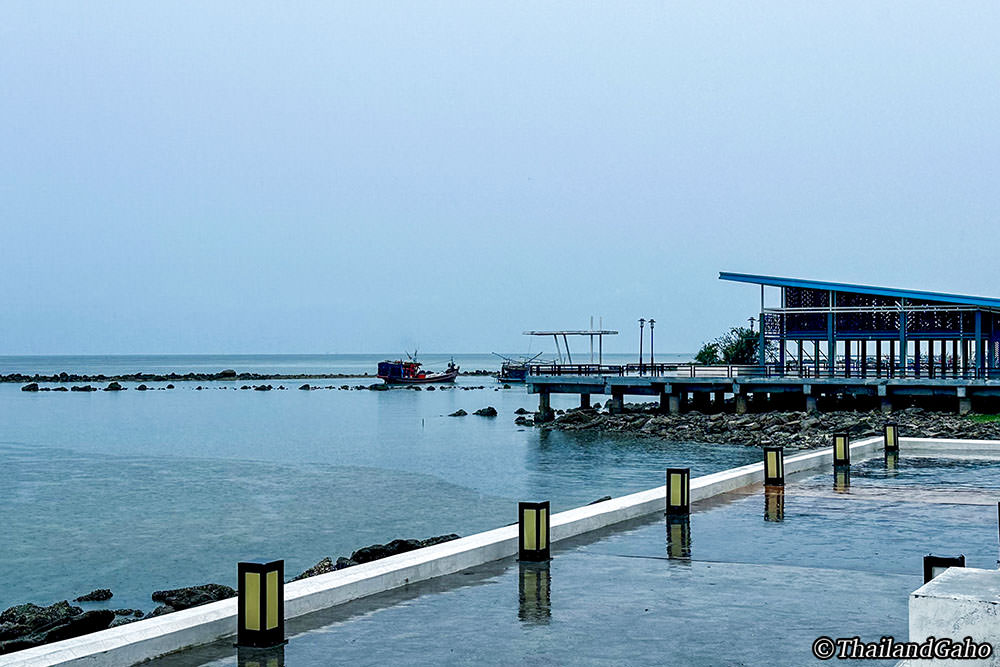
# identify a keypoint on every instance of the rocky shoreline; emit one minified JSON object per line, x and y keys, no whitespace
{"x":27,"y":625}
{"x":223,"y":375}
{"x":794,"y":430}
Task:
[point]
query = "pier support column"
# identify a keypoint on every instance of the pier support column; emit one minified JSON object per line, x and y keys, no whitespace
{"x":741,"y":404}
{"x":885,"y":403}
{"x":674,"y":403}
{"x":585,"y":401}
{"x":617,"y":403}
{"x":702,"y":401}
{"x":545,"y":412}
{"x":964,"y":402}
{"x":720,"y":400}
{"x":664,"y":401}
{"x":810,"y":402}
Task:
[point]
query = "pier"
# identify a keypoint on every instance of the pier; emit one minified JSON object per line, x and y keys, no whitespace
{"x":819,"y":339}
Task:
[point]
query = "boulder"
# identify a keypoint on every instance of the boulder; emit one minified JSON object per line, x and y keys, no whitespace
{"x":170,"y":386}
{"x":128,"y":612}
{"x":30,"y":387}
{"x":141,"y":387}
{"x":160,"y":611}
{"x":263,"y":387}
{"x":378,"y":551}
{"x":60,"y":389}
{"x":98,"y":595}
{"x":488,"y":411}
{"x":521,"y":411}
{"x":30,"y":625}
{"x":458,"y":413}
{"x":305,"y":387}
{"x":326,"y":565}
{"x":432,"y":388}
{"x":113,"y":386}
{"x":228,"y":373}
{"x":122,"y":620}
{"x":193,"y":596}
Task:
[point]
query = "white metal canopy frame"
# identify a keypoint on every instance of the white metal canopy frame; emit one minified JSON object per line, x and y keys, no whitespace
{"x":592,"y":333}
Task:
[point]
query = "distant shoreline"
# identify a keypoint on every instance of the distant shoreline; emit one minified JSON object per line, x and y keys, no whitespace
{"x":224,"y":375}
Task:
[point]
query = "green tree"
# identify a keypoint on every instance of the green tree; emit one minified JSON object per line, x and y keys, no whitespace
{"x":737,"y":346}
{"x":708,"y":354}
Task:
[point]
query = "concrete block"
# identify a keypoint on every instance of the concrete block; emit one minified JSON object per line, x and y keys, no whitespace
{"x":961,"y":602}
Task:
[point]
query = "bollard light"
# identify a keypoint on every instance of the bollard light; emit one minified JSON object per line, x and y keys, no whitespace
{"x":533,"y":532}
{"x":678,"y":491}
{"x":842,"y":480}
{"x":890,"y":437}
{"x":935,"y":565}
{"x":679,"y":538}
{"x":774,"y":466}
{"x":841,"y":450}
{"x":261,"y":615}
{"x":774,"y":504}
{"x":534,"y":584}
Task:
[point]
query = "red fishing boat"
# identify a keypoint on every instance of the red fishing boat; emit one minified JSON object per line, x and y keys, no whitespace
{"x":409,"y":372}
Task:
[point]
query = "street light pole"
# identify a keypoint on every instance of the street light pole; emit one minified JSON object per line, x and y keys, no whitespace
{"x":642,"y":323}
{"x":651,"y":323}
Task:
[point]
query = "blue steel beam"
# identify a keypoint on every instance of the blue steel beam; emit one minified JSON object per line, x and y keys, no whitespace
{"x":943,"y":297}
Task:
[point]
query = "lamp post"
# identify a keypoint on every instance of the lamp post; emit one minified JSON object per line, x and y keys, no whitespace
{"x":751,"y":320}
{"x":651,"y":323}
{"x":642,"y":323}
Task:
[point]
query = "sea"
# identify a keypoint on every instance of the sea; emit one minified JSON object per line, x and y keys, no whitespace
{"x":138,"y":491}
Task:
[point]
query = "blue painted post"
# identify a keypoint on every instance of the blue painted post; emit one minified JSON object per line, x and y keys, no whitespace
{"x":761,"y":343}
{"x":902,"y":340}
{"x":980,"y":356}
{"x":831,"y":346}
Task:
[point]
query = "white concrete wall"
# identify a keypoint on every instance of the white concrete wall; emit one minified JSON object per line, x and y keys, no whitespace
{"x":142,"y":640}
{"x":961,"y":602}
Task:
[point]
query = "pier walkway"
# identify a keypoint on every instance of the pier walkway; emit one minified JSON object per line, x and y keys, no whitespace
{"x":681,"y":385}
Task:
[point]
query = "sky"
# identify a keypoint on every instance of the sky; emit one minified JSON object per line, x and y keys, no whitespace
{"x":363,"y":177}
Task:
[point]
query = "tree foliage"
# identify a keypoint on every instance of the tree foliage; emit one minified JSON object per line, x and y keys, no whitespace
{"x":708,"y":354}
{"x":737,"y":346}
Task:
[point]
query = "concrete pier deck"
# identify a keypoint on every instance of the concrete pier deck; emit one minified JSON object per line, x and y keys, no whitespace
{"x":675,"y":391}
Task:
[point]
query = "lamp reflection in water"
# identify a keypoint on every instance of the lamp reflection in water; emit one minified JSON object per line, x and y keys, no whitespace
{"x":679,"y":538}
{"x":842,"y":480}
{"x":534,"y":583}
{"x":774,"y":503}
{"x":891,"y":464}
{"x":260,"y":657}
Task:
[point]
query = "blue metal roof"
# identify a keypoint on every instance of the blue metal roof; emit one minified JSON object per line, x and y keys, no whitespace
{"x":982,"y":301}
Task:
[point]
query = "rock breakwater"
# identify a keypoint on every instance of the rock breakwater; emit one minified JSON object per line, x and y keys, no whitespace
{"x":795,"y":430}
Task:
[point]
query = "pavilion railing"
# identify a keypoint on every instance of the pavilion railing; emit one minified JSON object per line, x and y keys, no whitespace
{"x":856,"y":370}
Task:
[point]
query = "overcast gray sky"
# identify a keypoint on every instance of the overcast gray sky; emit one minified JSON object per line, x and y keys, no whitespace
{"x":366,"y":176}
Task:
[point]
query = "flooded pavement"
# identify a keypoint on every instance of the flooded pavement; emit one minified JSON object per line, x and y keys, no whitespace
{"x":751,"y":579}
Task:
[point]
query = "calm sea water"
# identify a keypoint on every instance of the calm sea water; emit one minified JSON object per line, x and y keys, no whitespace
{"x":139,"y":491}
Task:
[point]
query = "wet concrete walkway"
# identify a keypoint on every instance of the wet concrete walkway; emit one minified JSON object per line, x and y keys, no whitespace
{"x":752,"y":579}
